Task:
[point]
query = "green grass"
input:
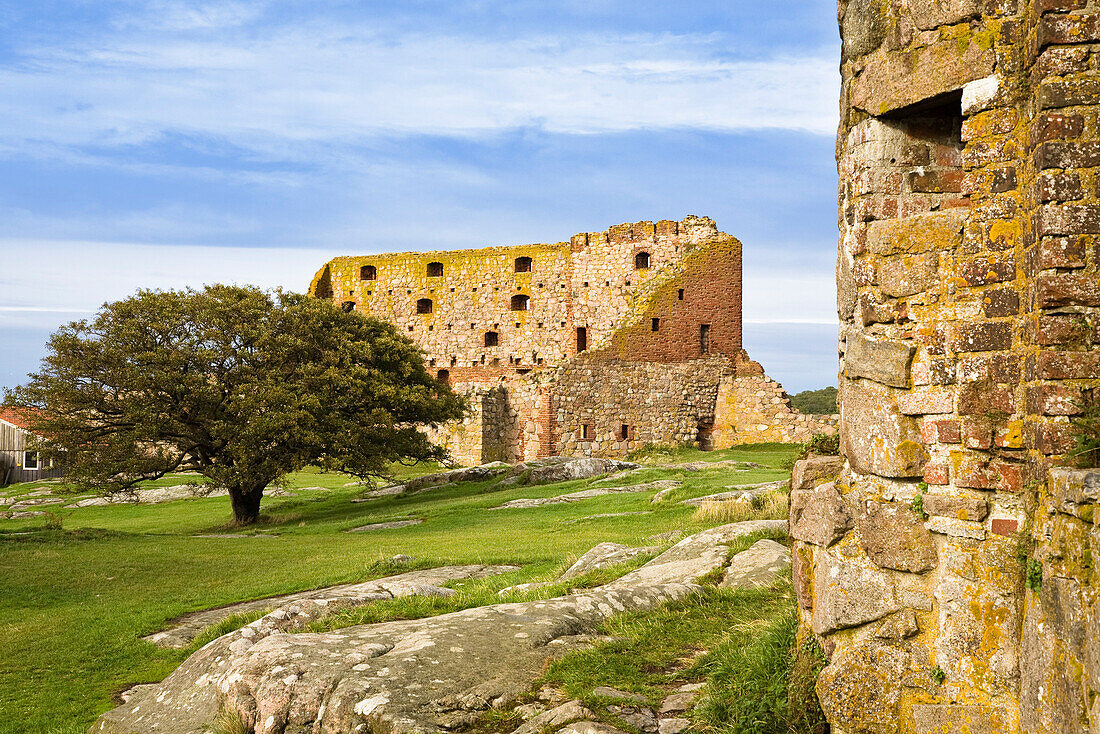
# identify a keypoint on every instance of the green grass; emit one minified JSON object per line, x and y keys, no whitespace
{"x":74,"y":602}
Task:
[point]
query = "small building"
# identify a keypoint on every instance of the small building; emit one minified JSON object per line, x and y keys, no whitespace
{"x":19,"y":461}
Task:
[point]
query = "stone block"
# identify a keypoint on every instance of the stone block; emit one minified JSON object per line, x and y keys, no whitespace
{"x":1053,"y":95}
{"x":983,"y":337}
{"x":1068,"y":220}
{"x":935,"y":231}
{"x":1055,"y":125}
{"x":1000,"y":302}
{"x":1055,"y":400}
{"x":927,"y":400}
{"x":894,"y":537}
{"x":864,"y":24}
{"x":860,"y":688}
{"x":1055,"y":290}
{"x":984,"y":270}
{"x":847,"y":594}
{"x":907,"y":275}
{"x":971,"y":613}
{"x":891,"y":80}
{"x":1077,"y":154}
{"x":980,"y":94}
{"x":900,"y":626}
{"x":1069,"y":29}
{"x":956,"y":528}
{"x":1061,"y":252}
{"x":757,"y":565}
{"x":1075,"y":486}
{"x":1068,"y":365}
{"x":958,"y":719}
{"x":960,"y":508}
{"x":1059,"y":187}
{"x":819,"y":516}
{"x":880,"y":440}
{"x":883,"y":361}
{"x":814,"y":470}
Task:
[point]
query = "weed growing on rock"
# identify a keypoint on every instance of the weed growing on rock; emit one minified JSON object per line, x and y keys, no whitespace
{"x":1034,"y":578}
{"x":917,"y":504}
{"x":938,"y":675}
{"x":229,"y":721}
{"x":1086,"y":435}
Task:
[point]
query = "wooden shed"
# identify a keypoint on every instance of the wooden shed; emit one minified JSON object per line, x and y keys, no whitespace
{"x":19,"y":462}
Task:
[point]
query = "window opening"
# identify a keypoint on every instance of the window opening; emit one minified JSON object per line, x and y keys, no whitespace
{"x":435,"y":270}
{"x":586,"y":432}
{"x":582,"y":338}
{"x":30,"y":460}
{"x":523,"y":264}
{"x":655,"y":325}
{"x":520,"y":303}
{"x":641,"y":261}
{"x":443,"y":376}
{"x":491,"y":338}
{"x":347,"y":306}
{"x":704,"y":338}
{"x":680,"y":295}
{"x":368,"y":272}
{"x":424,"y":305}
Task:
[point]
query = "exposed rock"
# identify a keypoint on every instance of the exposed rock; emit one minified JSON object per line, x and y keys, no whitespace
{"x":742,"y":491}
{"x":894,"y":537}
{"x":470,"y":474}
{"x":932,"y":13}
{"x":878,"y":439}
{"x":586,"y":494}
{"x":757,"y":565}
{"x":860,"y":688}
{"x":555,"y":717}
{"x":523,"y":588}
{"x":602,"y":515}
{"x":956,"y":528}
{"x":672,"y":726}
{"x":413,"y":583}
{"x":589,"y":727}
{"x":603,"y":555}
{"x":391,"y":525}
{"x":562,"y":469}
{"x":815,"y":470}
{"x":971,"y":614}
{"x":847,"y":594}
{"x":819,"y":515}
{"x":411,"y":675}
{"x":608,"y":692}
{"x":678,"y":702}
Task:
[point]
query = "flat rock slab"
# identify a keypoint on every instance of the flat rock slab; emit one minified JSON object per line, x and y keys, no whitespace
{"x":587,"y":494}
{"x":736,"y":493}
{"x":563,"y":469}
{"x":391,"y":525}
{"x":607,"y":514}
{"x":757,"y":565}
{"x":428,"y":581}
{"x":603,"y":555}
{"x":423,"y":675}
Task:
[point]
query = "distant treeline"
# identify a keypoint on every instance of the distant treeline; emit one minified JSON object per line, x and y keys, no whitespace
{"x":815,"y":401}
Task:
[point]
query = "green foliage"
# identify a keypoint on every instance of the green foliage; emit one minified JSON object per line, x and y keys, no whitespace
{"x":764,"y":684}
{"x":818,"y":402}
{"x":229,"y":721}
{"x":1034,"y":577}
{"x":237,"y":384}
{"x":937,"y":675}
{"x":917,"y":503}
{"x":1025,"y":545}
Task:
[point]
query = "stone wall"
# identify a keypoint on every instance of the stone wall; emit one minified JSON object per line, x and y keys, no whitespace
{"x":967,"y":292}
{"x":659,"y":306}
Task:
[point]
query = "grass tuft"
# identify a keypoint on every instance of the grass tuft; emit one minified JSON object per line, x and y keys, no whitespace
{"x":229,"y":721}
{"x":772,"y":506}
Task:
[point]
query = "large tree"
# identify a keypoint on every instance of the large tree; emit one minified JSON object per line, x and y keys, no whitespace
{"x":237,"y":384}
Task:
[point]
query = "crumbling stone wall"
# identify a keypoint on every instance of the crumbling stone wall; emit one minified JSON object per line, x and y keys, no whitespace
{"x":967,"y":292}
{"x":625,"y":327}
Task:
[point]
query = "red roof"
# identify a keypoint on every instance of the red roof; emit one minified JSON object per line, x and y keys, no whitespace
{"x":15,"y":417}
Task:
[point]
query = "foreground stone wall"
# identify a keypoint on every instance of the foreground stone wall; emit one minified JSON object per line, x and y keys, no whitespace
{"x":947,"y":570}
{"x":638,"y":326}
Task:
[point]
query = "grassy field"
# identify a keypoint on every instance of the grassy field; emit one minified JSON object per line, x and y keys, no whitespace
{"x":75,"y":601}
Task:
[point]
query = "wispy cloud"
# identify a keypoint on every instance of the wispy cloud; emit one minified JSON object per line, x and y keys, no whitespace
{"x":290,"y":86}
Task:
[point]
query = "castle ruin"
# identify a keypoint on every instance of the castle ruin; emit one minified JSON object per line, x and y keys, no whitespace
{"x":949,"y":569}
{"x":592,"y":347}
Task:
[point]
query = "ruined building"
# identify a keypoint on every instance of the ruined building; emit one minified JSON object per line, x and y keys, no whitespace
{"x":596,"y":346}
{"x":949,"y":571}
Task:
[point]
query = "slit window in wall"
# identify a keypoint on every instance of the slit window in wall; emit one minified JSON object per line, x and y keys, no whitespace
{"x":347,"y":306}
{"x":625,"y":432}
{"x":443,"y":376}
{"x":680,"y":295}
{"x":586,"y":432}
{"x":641,"y":261}
{"x":491,"y":339}
{"x":424,"y":305}
{"x":435,"y":270}
{"x":654,"y":324}
{"x":523,"y":264}
{"x":368,"y":272}
{"x":30,"y":460}
{"x":582,"y":338}
{"x":520,"y":302}
{"x":704,"y":338}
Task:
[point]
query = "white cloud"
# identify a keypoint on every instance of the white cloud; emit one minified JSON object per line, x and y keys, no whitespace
{"x":270,"y":93}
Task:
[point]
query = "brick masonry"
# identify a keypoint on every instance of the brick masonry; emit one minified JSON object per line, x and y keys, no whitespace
{"x":968,"y":294}
{"x":659,"y":307}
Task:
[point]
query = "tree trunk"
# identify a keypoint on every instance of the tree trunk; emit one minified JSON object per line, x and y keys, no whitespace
{"x":246,"y":504}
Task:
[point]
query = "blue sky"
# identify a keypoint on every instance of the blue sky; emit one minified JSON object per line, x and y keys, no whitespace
{"x":163,"y":143}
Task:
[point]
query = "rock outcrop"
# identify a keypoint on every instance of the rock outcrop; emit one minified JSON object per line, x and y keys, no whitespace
{"x":423,"y":675}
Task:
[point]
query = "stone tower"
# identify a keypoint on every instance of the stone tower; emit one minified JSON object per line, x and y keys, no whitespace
{"x":948,"y":571}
